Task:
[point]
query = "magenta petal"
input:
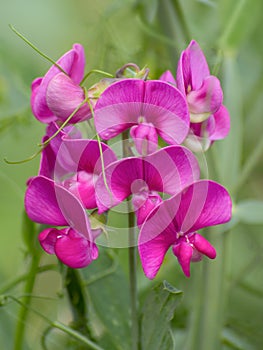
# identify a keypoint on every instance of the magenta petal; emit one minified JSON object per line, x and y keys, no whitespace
{"x":48,"y":239}
{"x":183,"y":251}
{"x":120,"y":177}
{"x":168,"y":77}
{"x":53,"y":162}
{"x":77,"y":68}
{"x":48,"y":160}
{"x":192,"y":68}
{"x":168,"y":170}
{"x":143,"y":204}
{"x":207,"y":99}
{"x":204,"y":203}
{"x":41,"y":202}
{"x":63,"y":96}
{"x":203,"y":246}
{"x":38,"y":103}
{"x":73,"y":63}
{"x":171,"y":169}
{"x":153,"y":245}
{"x":118,"y":107}
{"x":221,"y":127}
{"x":74,"y":250}
{"x":166,"y":108}
{"x":74,"y":212}
{"x":131,"y":101}
{"x":145,"y":138}
{"x":85,"y":154}
{"x":86,"y":166}
{"x":82,"y":185}
{"x":198,"y":64}
{"x":49,"y":203}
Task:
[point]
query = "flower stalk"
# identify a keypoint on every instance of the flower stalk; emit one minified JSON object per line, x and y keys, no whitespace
{"x":132,"y":259}
{"x":209,"y":304}
{"x":23,"y":312}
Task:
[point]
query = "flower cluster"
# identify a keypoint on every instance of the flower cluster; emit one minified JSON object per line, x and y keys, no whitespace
{"x":79,"y":176}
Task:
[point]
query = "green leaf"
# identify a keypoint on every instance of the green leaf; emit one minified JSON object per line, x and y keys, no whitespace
{"x":250,"y":211}
{"x":107,"y":288}
{"x":158,"y":311}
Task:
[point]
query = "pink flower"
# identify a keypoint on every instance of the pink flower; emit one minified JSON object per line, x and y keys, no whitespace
{"x":151,"y":104}
{"x":49,"y":203}
{"x":74,"y":163}
{"x":209,"y":118}
{"x":168,"y":170}
{"x":56,"y":95}
{"x":174,"y":223}
{"x":202,"y":90}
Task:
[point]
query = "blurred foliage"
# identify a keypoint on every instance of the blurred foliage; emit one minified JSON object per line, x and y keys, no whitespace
{"x":152,"y":33}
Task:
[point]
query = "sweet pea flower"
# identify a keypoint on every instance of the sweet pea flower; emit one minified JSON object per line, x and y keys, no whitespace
{"x":49,"y":203}
{"x":74,"y":163}
{"x":202,"y":90}
{"x":209,"y":118}
{"x":175,"y":222}
{"x":168,"y":170}
{"x":56,"y":95}
{"x":140,"y":104}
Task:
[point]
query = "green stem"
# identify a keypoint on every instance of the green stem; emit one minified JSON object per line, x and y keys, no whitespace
{"x":13,"y":283}
{"x":23,"y":312}
{"x":132,"y":259}
{"x":95,"y":71}
{"x":36,"y":49}
{"x":76,"y":335}
{"x":59,"y":325}
{"x":74,"y":286}
{"x":209,"y":307}
{"x":133,"y":281}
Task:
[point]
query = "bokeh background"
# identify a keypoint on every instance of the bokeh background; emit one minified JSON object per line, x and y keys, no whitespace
{"x":151,"y":33}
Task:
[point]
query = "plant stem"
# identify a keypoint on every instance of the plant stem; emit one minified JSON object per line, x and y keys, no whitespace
{"x":17,"y":280}
{"x":59,"y":325}
{"x":209,"y":305}
{"x":132,"y":259}
{"x":77,"y":300}
{"x":76,"y":335}
{"x":23,"y":312}
{"x":133,"y":281}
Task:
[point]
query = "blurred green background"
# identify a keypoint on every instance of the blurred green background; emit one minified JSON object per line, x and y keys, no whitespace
{"x":148,"y":32}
